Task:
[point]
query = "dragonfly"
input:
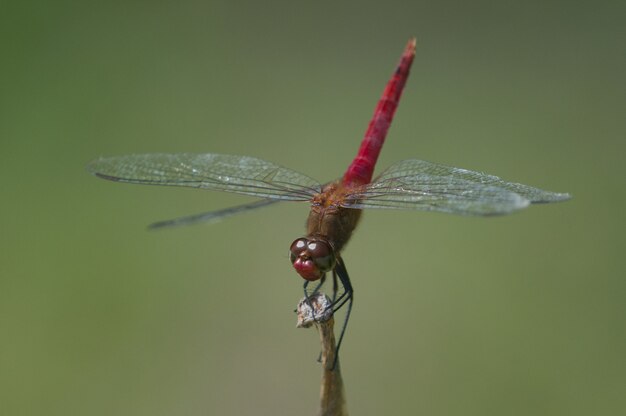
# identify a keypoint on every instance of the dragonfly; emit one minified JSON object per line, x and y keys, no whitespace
{"x":336,"y":206}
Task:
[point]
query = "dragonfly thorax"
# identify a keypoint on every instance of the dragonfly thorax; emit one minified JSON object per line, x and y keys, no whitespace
{"x":329,"y":219}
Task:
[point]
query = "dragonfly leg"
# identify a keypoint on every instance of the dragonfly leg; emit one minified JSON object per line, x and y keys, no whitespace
{"x":346,"y":297}
{"x":340,"y":276}
{"x":335,"y":287}
{"x":317,"y":287}
{"x":338,"y":302}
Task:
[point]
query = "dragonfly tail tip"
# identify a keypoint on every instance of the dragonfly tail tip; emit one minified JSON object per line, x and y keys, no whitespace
{"x":410,"y":47}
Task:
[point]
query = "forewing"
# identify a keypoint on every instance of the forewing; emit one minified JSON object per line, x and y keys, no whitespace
{"x":420,"y":185}
{"x":239,"y":174}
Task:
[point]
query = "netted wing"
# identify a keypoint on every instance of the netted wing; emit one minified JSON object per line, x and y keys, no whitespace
{"x":420,"y":185}
{"x":213,"y":216}
{"x":239,"y":174}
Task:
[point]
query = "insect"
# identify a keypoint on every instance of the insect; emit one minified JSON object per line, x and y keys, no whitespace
{"x":336,"y":206}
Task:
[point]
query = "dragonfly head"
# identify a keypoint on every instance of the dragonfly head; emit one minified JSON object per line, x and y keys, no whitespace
{"x":311,"y":258}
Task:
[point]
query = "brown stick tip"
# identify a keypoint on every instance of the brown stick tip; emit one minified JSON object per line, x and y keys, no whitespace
{"x":315,"y":309}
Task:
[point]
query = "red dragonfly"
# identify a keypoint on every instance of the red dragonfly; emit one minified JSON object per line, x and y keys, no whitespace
{"x":336,"y":206}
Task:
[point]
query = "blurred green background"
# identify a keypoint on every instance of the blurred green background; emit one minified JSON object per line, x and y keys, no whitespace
{"x":516,"y":315}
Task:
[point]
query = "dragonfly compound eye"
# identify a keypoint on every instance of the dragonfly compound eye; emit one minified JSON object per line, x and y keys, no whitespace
{"x":311,"y":258}
{"x":322,"y":255}
{"x":297,"y":247}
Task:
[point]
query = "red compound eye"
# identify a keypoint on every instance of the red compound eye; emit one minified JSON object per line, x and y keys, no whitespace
{"x":311,"y":258}
{"x":322,"y":255}
{"x":296,"y":248}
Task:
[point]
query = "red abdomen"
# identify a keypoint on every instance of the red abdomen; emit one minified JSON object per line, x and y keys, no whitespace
{"x":362,"y":167}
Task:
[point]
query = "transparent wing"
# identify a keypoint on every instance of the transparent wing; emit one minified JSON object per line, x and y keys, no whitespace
{"x":420,"y":185}
{"x":239,"y":174}
{"x":213,"y":216}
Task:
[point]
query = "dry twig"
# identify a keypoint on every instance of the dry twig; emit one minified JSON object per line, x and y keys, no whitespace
{"x":318,"y":311}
